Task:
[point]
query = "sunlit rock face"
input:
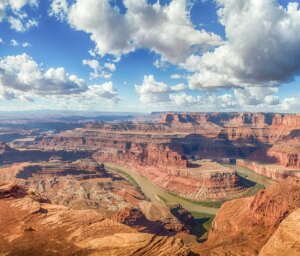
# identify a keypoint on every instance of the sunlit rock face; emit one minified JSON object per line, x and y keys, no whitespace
{"x":32,"y":226}
{"x":164,"y":150}
{"x":285,"y":239}
{"x":243,"y":226}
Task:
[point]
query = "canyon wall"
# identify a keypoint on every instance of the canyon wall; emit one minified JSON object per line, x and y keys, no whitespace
{"x":233,"y":118}
{"x":243,"y":226}
{"x":208,"y":184}
{"x":286,"y":120}
{"x":167,"y":149}
{"x":286,"y":238}
{"x":274,"y":172}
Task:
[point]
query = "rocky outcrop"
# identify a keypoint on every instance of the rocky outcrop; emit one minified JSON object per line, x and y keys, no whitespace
{"x":253,"y":119}
{"x":4,"y":148}
{"x":135,"y":218}
{"x":81,"y":169}
{"x":192,"y":183}
{"x":286,"y":239}
{"x":164,"y":151}
{"x":286,"y":120}
{"x":156,"y":156}
{"x":178,"y":220}
{"x":28,"y":227}
{"x":183,"y":215}
{"x":83,"y":184}
{"x":287,"y":153}
{"x":11,"y":190}
{"x":243,"y":226}
{"x":272,"y":171}
{"x":233,"y":119}
{"x":180,"y":118}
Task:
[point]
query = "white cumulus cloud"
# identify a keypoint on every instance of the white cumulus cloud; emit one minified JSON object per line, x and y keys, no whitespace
{"x":166,"y":30}
{"x":152,"y":91}
{"x":99,"y":70}
{"x":13,"y":12}
{"x":22,"y":78}
{"x":59,"y":9}
{"x":262,"y":47}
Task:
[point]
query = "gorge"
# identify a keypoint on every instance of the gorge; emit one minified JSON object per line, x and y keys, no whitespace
{"x":169,"y":177}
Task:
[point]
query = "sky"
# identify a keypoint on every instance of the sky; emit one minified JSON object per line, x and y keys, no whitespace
{"x":148,"y":55}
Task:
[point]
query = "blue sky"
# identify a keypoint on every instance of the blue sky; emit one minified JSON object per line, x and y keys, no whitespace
{"x":145,"y":56}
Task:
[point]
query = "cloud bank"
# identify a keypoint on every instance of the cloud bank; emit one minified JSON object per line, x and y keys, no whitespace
{"x":262,"y":47}
{"x":22,"y":78}
{"x":165,"y":30}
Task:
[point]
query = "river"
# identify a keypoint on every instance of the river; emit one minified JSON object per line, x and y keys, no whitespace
{"x":159,"y":195}
{"x":251,"y":175}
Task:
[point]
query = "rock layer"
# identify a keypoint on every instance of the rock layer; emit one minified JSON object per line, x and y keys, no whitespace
{"x":164,"y":151}
{"x":286,"y":239}
{"x":243,"y":226}
{"x":83,"y":184}
{"x":34,"y":228}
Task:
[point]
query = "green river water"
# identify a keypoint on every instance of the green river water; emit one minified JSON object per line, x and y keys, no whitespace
{"x":159,"y":195}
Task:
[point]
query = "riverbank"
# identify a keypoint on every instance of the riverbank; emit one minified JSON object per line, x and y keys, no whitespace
{"x":157,"y":194}
{"x":203,"y":212}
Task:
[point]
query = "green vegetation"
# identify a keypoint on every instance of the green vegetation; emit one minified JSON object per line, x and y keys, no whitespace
{"x":243,"y":175}
{"x":250,"y":174}
{"x":202,"y":225}
{"x":125,"y":175}
{"x":252,"y":186}
{"x":250,"y":179}
{"x":211,"y":204}
{"x":162,"y":199}
{"x":253,"y":190}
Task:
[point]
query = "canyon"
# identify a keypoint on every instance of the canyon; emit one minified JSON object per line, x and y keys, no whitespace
{"x":167,"y":151}
{"x":150,"y":178}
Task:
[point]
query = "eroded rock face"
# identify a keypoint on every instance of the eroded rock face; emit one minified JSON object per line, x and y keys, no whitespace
{"x":4,"y":148}
{"x":286,"y":120}
{"x":274,"y":172}
{"x":243,"y":226}
{"x":81,"y":169}
{"x":187,"y":182}
{"x":163,"y":151}
{"x":83,"y":184}
{"x":170,"y":223}
{"x":29,"y":227}
{"x":286,"y":239}
{"x":156,"y":156}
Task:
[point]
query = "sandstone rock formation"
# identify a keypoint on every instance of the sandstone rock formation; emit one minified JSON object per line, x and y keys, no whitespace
{"x":81,"y":169}
{"x":243,"y":226}
{"x":29,"y":227}
{"x":83,"y":184}
{"x":274,"y":172}
{"x":171,"y":153}
{"x":163,"y":151}
{"x":286,"y":239}
{"x":178,"y":220}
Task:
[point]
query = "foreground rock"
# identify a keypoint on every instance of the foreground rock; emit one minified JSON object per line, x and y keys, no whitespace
{"x":86,"y":184}
{"x":286,"y":239}
{"x":29,"y":227}
{"x":167,"y":223}
{"x":243,"y":226}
